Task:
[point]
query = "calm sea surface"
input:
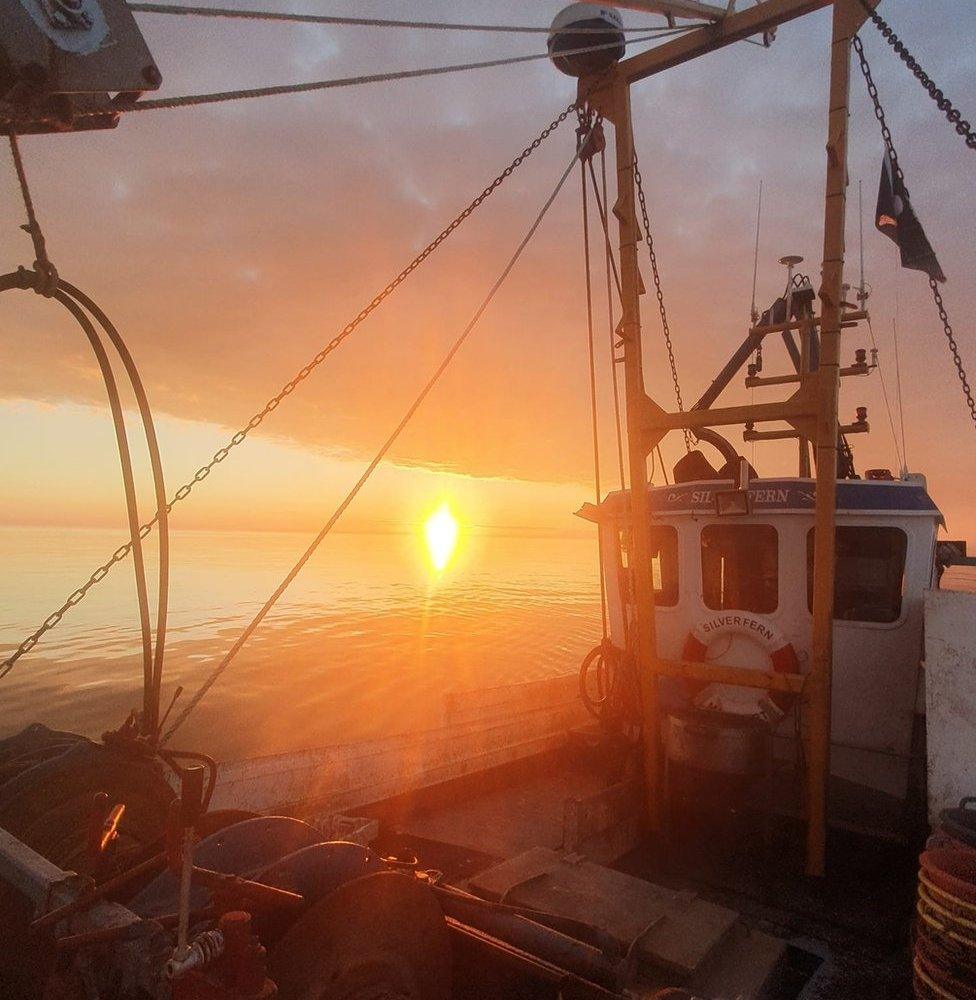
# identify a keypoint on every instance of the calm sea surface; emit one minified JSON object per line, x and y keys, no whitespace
{"x":361,"y":646}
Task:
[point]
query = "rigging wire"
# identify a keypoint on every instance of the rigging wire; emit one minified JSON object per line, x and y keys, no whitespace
{"x":862,"y":297}
{"x":220,"y":97}
{"x":272,"y":404}
{"x":608,"y":255}
{"x":901,"y":405}
{"x":753,"y":311}
{"x":591,"y":353}
{"x":884,"y":391}
{"x":371,"y":22}
{"x":375,"y":461}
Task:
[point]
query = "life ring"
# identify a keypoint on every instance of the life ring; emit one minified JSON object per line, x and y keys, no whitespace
{"x":760,"y":631}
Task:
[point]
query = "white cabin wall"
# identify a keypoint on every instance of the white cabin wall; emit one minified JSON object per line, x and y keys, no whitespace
{"x":950,"y":695}
{"x":876,"y":665}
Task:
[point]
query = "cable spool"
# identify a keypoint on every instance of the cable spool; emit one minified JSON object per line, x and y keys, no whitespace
{"x":581,"y":25}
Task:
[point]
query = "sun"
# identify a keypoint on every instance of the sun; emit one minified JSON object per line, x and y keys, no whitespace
{"x":441,"y":532}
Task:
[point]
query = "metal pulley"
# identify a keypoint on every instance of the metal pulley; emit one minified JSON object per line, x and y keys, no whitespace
{"x":60,"y":60}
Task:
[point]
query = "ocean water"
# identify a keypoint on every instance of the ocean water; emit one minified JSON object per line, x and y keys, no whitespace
{"x":362,"y":645}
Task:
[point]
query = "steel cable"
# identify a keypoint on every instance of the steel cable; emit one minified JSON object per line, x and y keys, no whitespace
{"x":219,"y":97}
{"x":374,"y":462}
{"x":372,"y":22}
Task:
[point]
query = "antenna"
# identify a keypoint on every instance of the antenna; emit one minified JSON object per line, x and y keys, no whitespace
{"x":862,"y":293}
{"x":755,"y":260}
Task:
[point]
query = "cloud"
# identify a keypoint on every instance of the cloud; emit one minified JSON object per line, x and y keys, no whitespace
{"x":230,"y":243}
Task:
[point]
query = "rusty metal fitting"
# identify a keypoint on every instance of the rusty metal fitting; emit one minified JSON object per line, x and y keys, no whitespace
{"x":202,"y":951}
{"x":245,"y":961}
{"x":596,"y":143}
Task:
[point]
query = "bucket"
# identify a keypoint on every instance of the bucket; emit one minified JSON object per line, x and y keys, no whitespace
{"x":953,"y":874}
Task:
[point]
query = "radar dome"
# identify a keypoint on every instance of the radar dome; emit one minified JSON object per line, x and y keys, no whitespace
{"x":585,"y":26}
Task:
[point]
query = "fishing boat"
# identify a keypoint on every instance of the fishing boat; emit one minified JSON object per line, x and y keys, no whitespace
{"x":731,"y":798}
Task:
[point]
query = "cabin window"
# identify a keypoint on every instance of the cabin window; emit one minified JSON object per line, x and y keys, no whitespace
{"x":664,"y":564}
{"x":869,"y":575}
{"x":740,"y":567}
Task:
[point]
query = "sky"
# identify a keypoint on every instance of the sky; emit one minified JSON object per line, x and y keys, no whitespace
{"x":230,"y":243}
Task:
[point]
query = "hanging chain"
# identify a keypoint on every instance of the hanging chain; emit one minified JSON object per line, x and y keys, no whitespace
{"x":184,"y":491}
{"x":954,"y":348}
{"x":899,"y":173}
{"x":952,"y":113}
{"x":660,"y":295}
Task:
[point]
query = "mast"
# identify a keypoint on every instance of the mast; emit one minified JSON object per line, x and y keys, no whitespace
{"x":811,"y":411}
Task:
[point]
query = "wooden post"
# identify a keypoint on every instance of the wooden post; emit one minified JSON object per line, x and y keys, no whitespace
{"x":848,"y":16}
{"x":629,"y":330}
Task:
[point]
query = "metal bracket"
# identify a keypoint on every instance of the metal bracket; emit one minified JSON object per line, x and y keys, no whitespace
{"x":61,"y":60}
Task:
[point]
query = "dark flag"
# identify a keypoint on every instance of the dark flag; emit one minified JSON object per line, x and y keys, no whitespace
{"x":896,"y":219}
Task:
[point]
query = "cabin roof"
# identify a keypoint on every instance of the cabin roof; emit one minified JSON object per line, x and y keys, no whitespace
{"x":781,"y":496}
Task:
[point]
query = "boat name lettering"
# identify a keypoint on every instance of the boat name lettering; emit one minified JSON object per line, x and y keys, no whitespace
{"x":703,"y":497}
{"x":737,"y":621}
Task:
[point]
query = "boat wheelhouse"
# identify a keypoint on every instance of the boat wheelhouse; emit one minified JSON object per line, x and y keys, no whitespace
{"x":737,"y":590}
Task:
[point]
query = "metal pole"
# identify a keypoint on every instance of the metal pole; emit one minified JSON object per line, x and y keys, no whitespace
{"x":629,"y":331}
{"x":846,"y":21}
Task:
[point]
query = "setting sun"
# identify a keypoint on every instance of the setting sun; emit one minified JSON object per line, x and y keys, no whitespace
{"x":441,"y":532}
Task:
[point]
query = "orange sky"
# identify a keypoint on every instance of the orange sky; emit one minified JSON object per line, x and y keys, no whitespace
{"x":230,"y":243}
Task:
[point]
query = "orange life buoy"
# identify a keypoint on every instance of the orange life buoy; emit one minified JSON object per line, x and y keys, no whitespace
{"x":754,"y":627}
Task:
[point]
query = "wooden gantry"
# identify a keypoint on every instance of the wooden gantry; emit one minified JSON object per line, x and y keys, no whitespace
{"x":811,"y":410}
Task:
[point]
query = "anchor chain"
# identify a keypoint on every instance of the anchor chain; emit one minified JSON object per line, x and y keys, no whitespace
{"x":952,"y":113}
{"x":899,"y":173}
{"x":660,"y":295}
{"x":272,"y":404}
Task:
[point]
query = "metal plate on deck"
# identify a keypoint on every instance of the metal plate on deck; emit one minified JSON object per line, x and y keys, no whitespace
{"x":676,"y":931}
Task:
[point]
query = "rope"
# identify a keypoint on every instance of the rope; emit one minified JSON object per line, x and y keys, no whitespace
{"x":368,"y":471}
{"x":272,"y":404}
{"x":369,"y":22}
{"x":594,"y":415}
{"x":47,"y":275}
{"x":219,"y":97}
{"x":608,"y":254}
